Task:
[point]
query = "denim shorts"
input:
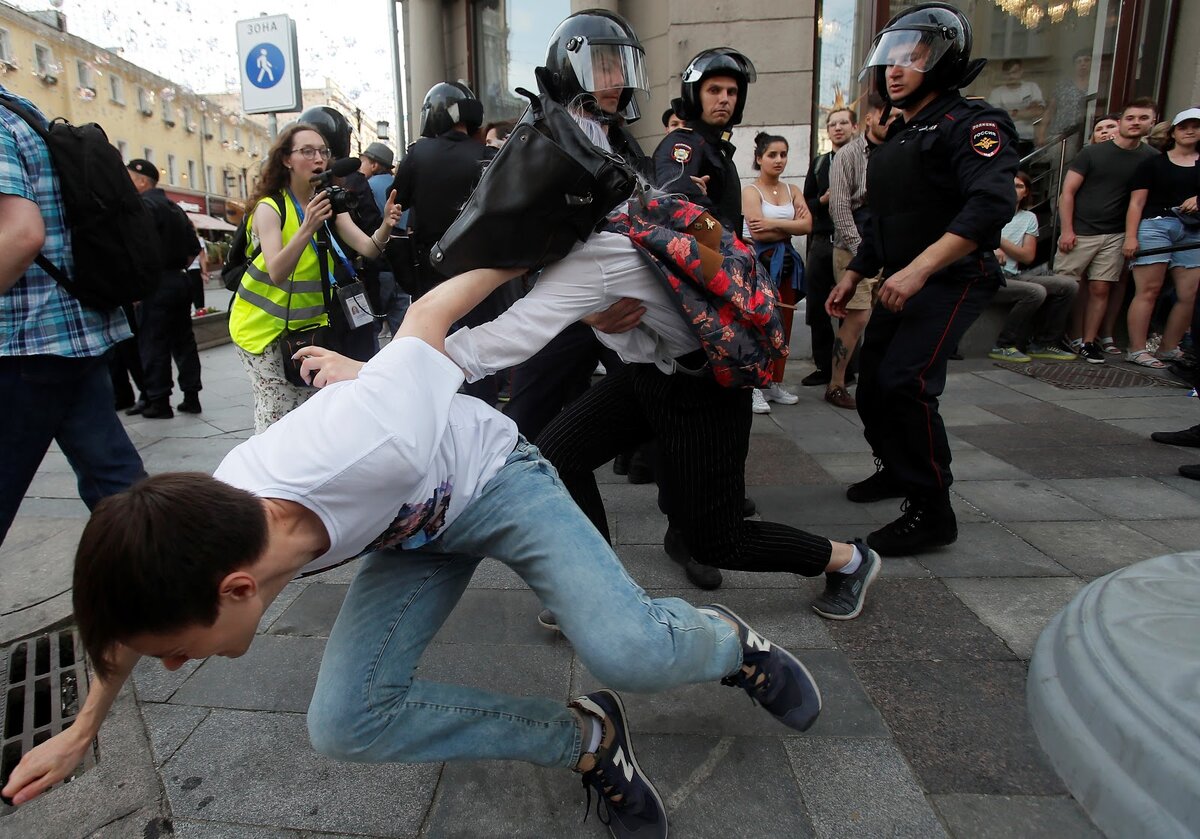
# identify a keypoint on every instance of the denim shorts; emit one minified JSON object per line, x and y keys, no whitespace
{"x":1166,"y":231}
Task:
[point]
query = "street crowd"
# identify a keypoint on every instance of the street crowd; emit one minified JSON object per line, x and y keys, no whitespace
{"x":917,"y":219}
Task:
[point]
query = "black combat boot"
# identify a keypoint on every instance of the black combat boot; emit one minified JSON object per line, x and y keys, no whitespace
{"x":702,"y":576}
{"x":158,"y":409}
{"x":190,"y":403}
{"x":925,"y":522}
{"x":878,"y":487}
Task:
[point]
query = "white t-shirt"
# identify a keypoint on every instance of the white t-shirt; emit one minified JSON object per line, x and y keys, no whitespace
{"x":389,"y":459}
{"x":1020,"y":97}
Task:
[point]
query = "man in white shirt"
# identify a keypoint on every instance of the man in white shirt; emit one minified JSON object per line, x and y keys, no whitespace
{"x":1022,"y":99}
{"x":425,"y":482}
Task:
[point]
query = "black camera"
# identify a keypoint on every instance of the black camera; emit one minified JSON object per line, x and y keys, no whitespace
{"x":339,"y":199}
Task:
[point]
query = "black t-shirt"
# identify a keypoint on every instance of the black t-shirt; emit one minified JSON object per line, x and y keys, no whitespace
{"x":1169,"y":184}
{"x":1103,"y":197}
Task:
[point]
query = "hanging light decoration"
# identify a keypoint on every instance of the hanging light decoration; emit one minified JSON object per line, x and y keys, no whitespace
{"x":1032,"y":16}
{"x":1057,"y":11}
{"x":1083,"y":7}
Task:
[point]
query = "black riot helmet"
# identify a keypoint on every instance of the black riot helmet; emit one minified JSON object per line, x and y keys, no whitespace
{"x":586,"y":53}
{"x":934,"y":38}
{"x":446,"y":105}
{"x":721,"y":61}
{"x":333,"y":127}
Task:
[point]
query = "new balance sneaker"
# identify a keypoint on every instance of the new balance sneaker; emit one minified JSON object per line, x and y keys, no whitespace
{"x":845,"y":594}
{"x":758,"y":402}
{"x":1008,"y":354}
{"x":878,"y":487}
{"x":773,"y":677}
{"x":924,"y":523}
{"x":1051,"y":352}
{"x":631,"y":805}
{"x":1091,"y":353}
{"x":777,"y":393}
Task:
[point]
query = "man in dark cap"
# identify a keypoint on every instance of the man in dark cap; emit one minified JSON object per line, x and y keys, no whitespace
{"x":165,"y":318}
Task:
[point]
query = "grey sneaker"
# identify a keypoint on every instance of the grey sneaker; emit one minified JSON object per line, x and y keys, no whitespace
{"x":845,"y":594}
{"x":547,"y":619}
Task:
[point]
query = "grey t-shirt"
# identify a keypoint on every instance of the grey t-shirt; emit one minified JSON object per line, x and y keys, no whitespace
{"x":1102,"y":200}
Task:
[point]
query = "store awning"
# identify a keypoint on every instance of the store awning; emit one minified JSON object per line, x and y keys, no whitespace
{"x":205,"y":222}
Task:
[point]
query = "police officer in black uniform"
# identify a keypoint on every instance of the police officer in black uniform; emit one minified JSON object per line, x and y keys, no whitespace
{"x":697,"y":159}
{"x":562,"y":370}
{"x":939,"y":190}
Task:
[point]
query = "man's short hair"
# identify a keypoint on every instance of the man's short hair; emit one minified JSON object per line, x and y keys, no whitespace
{"x":1010,"y":63}
{"x":875,"y":101}
{"x":151,"y":558}
{"x":1142,"y":103}
{"x":850,"y":111}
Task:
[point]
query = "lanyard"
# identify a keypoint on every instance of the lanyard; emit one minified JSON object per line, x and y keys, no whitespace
{"x":300,"y":214}
{"x":332,"y":241}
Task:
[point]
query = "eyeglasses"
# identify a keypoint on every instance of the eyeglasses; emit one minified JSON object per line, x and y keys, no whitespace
{"x":309,"y":153}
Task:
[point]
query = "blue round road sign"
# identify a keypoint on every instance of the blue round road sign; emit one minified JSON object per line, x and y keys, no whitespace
{"x":264,"y":65}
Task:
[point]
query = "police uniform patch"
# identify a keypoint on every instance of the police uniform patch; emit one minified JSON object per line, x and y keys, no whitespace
{"x":985,"y":138}
{"x":681,"y":152}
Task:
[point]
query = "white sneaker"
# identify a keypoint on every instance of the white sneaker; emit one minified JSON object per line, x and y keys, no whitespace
{"x":757,"y":403}
{"x":776,"y":393}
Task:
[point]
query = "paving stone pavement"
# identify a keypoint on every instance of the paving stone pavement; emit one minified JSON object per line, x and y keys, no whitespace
{"x":924,"y":732}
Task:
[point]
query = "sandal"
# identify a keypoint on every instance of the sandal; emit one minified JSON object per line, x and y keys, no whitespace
{"x":1109,"y":346}
{"x":1169,"y":355}
{"x":1144,"y":358}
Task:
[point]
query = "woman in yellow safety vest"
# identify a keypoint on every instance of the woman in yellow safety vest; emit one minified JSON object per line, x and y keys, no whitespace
{"x":282,"y":286}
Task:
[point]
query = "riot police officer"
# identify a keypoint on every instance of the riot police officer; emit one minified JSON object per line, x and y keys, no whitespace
{"x":939,"y":190}
{"x":697,"y":159}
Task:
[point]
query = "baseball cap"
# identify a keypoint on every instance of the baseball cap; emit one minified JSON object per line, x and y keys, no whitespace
{"x":381,"y":154}
{"x":143,"y":167}
{"x":1185,"y":114}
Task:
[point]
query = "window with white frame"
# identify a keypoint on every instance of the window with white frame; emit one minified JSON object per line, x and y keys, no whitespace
{"x":6,"y":53}
{"x":208,"y":179}
{"x":143,"y":101}
{"x":191,"y":175}
{"x":116,"y":89}
{"x":87,"y":76}
{"x":123,"y":148}
{"x":148,"y":154}
{"x":186,"y":116}
{"x":168,"y":112}
{"x":43,"y":61}
{"x":172,"y":172}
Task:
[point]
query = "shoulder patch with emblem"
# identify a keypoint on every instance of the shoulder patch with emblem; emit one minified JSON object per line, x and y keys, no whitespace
{"x":985,"y":138}
{"x":681,"y":152}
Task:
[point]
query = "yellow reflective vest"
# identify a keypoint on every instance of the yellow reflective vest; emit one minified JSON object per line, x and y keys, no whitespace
{"x":261,"y":310}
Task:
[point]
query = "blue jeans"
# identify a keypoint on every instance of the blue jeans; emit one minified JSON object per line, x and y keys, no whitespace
{"x":69,"y":401}
{"x":368,"y":708}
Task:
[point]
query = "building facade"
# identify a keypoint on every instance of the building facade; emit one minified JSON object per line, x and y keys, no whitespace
{"x":207,"y":153}
{"x":808,"y":54}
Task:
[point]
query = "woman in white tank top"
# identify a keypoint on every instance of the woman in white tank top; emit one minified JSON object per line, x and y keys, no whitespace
{"x":775,"y":212}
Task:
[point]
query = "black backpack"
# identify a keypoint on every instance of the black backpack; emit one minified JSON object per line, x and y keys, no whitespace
{"x":113,"y":238}
{"x":237,"y":259}
{"x":180,"y":243}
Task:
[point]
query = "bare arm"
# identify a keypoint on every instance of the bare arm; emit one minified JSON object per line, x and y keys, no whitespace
{"x":1133,"y":216}
{"x":55,"y":759}
{"x":370,"y":246}
{"x":281,"y":258}
{"x":1066,"y":210}
{"x":22,"y":234}
{"x":1025,"y":252}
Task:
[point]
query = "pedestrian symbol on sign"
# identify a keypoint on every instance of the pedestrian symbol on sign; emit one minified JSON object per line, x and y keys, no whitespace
{"x":264,"y":65}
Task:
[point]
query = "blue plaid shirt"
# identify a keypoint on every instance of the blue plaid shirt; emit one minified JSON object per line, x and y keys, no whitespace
{"x":36,"y":316}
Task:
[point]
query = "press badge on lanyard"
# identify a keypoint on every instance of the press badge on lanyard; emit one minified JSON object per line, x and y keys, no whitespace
{"x":352,"y":297}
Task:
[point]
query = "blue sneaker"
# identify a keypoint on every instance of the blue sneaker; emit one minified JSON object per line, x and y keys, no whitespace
{"x":632,"y":804}
{"x":777,"y":680}
{"x":845,"y":594}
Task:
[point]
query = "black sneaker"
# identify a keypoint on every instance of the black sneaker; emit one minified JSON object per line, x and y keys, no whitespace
{"x":1091,"y":353}
{"x":845,"y":594}
{"x":632,"y":806}
{"x":157,"y":409}
{"x":749,"y":508}
{"x":702,"y":576}
{"x":923,"y":524}
{"x":1190,"y":470}
{"x":878,"y":487}
{"x":777,"y":680}
{"x":1187,"y":437}
{"x":136,"y":408}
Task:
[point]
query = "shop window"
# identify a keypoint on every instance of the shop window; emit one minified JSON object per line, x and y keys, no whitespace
{"x":509,"y":40}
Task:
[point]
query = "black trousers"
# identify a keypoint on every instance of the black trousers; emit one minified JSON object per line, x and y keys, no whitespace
{"x":554,"y":376}
{"x":703,"y":436}
{"x":165,"y":333}
{"x":902,"y":372}
{"x":196,"y":279}
{"x":819,"y":281}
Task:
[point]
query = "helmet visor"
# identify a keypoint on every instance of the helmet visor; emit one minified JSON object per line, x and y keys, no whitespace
{"x":604,"y":65}
{"x":917,"y":49}
{"x":712,"y":62}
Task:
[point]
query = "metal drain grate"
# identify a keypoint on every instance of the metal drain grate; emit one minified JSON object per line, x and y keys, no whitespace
{"x":1076,"y":376}
{"x":45,"y":682}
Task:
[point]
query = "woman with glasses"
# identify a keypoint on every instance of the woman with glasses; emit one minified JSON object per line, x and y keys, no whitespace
{"x":283,"y":288}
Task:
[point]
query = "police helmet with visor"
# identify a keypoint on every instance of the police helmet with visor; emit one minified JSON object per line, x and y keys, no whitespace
{"x":333,"y":126}
{"x":446,"y":105}
{"x":934,"y":39}
{"x":594,"y":52}
{"x":720,"y":61}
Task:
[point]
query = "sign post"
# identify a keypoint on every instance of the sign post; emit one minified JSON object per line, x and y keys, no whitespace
{"x":269,"y":65}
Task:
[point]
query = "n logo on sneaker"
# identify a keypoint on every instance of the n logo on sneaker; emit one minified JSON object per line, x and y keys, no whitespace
{"x":620,"y":760}
{"x":756,"y":642}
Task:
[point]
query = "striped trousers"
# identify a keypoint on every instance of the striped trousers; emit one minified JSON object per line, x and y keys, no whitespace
{"x":703,"y":435}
